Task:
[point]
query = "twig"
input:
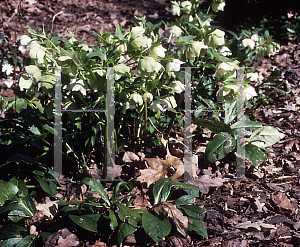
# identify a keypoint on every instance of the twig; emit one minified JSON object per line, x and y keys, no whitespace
{"x":54,"y":19}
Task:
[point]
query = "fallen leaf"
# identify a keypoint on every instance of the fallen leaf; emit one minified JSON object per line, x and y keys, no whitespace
{"x":206,"y":181}
{"x":282,"y":204}
{"x":174,"y":214}
{"x":130,"y":157}
{"x":257,"y":225}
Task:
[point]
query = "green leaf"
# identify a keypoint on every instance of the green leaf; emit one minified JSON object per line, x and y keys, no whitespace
{"x":157,"y":189}
{"x":88,"y":221}
{"x":96,"y":53}
{"x":254,"y":154}
{"x":118,"y":187}
{"x":154,"y":227}
{"x":247,"y":124}
{"x":7,"y":191}
{"x":10,"y":242}
{"x":12,"y":231}
{"x":219,"y":147}
{"x":97,"y":187}
{"x":213,"y":125}
{"x":28,"y":241}
{"x":47,"y":185}
{"x":192,"y":210}
{"x":21,"y":186}
{"x":128,"y":214}
{"x":184,"y":39}
{"x":119,"y":32}
{"x":113,"y":220}
{"x":24,"y":206}
{"x":189,"y":188}
{"x":123,"y":231}
{"x":198,"y":227}
{"x":270,"y":135}
{"x":186,"y":199}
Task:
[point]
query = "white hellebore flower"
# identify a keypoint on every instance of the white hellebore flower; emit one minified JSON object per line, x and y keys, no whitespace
{"x":148,"y":97}
{"x":176,"y":8}
{"x":7,"y":68}
{"x":25,"y":39}
{"x":175,"y":31}
{"x":249,"y":92}
{"x":248,"y":43}
{"x":215,"y":38}
{"x":195,"y":49}
{"x":149,"y":65}
{"x":252,"y":76}
{"x":187,"y":5}
{"x":174,"y":65}
{"x":136,"y":99}
{"x":178,"y":86}
{"x":254,"y":37}
{"x":225,"y":51}
{"x":136,"y":31}
{"x":122,"y":47}
{"x":158,"y":51}
{"x":226,"y":69}
{"x":218,"y":6}
{"x":36,"y":51}
{"x":169,"y":102}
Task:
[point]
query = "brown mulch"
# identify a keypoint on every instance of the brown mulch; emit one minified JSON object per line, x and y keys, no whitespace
{"x":260,"y":211}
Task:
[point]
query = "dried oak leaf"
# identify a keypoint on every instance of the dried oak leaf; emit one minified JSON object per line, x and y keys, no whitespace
{"x":174,"y":215}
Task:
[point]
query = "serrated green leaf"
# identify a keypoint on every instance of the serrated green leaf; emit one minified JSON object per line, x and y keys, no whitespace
{"x":118,"y":187}
{"x":198,"y":227}
{"x":97,"y":187}
{"x":154,"y":227}
{"x":7,"y":191}
{"x":219,"y":147}
{"x":87,"y":221}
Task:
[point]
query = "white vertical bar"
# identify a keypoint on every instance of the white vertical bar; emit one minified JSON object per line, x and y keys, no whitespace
{"x":187,"y":126}
{"x":57,"y":123}
{"x":110,"y":106}
{"x":240,"y":135}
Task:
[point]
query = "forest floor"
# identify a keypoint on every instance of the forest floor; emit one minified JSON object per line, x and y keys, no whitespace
{"x":260,"y":211}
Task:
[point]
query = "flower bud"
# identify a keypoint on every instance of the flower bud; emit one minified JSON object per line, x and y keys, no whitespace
{"x":255,"y":37}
